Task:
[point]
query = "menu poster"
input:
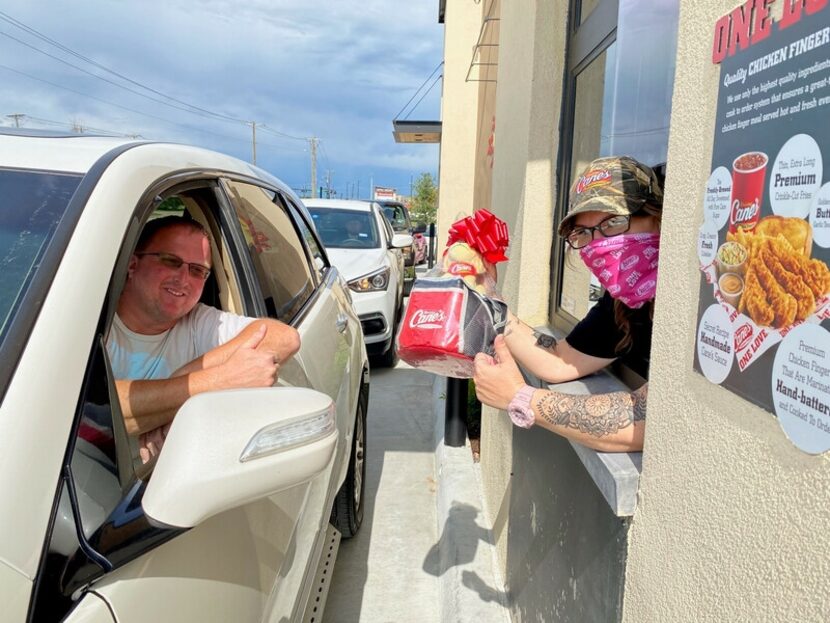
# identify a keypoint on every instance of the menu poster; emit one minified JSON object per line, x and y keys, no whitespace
{"x":764,"y":244}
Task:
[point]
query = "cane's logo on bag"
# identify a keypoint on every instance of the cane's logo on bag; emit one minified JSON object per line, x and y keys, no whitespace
{"x":597,"y":177}
{"x":462,"y":268}
{"x":427,"y":319}
{"x":743,"y":335}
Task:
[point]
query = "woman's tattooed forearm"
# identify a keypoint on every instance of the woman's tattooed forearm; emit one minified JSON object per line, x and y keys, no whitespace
{"x":640,"y":399}
{"x":597,"y":415}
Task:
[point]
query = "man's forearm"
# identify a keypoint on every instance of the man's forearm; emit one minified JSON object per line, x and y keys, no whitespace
{"x":612,"y":422}
{"x":146,"y":405}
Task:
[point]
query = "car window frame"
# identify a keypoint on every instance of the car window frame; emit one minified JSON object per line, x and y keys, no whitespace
{"x":259,"y":307}
{"x":303,"y":217}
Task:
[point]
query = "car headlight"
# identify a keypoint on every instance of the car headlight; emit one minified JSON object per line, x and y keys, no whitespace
{"x":373,"y":282}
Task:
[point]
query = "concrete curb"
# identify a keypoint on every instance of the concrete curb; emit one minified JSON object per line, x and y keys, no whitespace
{"x":470,"y":586}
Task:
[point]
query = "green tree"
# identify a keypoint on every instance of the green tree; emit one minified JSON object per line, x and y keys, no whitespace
{"x":424,"y":199}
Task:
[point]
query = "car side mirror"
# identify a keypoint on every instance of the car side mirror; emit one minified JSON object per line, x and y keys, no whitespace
{"x":228,"y":448}
{"x":400,"y":241}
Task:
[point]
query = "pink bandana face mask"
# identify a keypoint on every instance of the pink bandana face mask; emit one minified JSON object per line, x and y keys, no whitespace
{"x":626,"y":266}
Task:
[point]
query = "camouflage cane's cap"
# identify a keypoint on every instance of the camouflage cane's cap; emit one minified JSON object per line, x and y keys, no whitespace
{"x":616,"y":185}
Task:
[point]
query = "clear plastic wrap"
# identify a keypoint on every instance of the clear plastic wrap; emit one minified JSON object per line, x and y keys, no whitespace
{"x":454,"y":311}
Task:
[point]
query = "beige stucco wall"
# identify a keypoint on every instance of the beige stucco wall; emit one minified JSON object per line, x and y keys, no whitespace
{"x":459,"y":119}
{"x":528,"y":105}
{"x":732,"y":523}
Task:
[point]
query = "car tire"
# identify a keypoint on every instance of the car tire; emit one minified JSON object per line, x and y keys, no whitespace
{"x":347,"y":511}
{"x":389,"y":359}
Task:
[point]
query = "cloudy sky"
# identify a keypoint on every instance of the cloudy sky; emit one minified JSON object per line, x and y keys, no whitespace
{"x":195,"y":71}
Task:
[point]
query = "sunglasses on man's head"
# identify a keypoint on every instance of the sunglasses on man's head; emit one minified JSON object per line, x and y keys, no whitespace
{"x":174,"y":262}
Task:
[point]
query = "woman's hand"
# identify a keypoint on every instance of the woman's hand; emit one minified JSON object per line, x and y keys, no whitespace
{"x":497,"y":378}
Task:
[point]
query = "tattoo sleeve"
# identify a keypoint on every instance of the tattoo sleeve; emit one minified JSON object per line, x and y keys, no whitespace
{"x":594,"y":414}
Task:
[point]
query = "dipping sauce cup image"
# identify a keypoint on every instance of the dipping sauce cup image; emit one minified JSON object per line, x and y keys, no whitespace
{"x":731,"y":287}
{"x":749,"y":172}
{"x":731,"y":258}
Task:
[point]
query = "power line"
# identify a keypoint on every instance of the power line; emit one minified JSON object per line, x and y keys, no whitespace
{"x":120,"y":86}
{"x":93,"y":129}
{"x":282,"y":134}
{"x":184,"y":106}
{"x":127,"y":108}
{"x":14,"y":22}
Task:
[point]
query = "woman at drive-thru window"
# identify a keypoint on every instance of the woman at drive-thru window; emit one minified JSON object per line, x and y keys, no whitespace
{"x":613,"y":222}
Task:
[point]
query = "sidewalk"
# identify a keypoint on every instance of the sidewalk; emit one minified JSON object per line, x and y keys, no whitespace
{"x":424,"y":553}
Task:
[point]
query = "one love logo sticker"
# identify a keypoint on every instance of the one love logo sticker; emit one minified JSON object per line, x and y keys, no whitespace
{"x":743,"y":335}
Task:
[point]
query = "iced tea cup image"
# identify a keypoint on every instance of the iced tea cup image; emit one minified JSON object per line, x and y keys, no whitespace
{"x":749,"y":172}
{"x":731,"y":288}
{"x":731,"y":258}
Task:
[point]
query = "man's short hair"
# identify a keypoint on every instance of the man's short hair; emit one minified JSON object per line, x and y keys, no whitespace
{"x":154,"y":226}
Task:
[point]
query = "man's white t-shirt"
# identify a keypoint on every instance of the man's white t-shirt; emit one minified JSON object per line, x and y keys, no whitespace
{"x":137,"y":356}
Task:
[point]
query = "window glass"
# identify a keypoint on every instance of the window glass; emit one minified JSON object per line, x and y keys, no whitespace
{"x":346,"y":229}
{"x":396,"y":215}
{"x":32,"y":204}
{"x":276,"y":250}
{"x":94,"y":463}
{"x":318,"y":259}
{"x":591,"y":122}
{"x":388,"y":227}
{"x":621,"y":106}
{"x":587,"y":7}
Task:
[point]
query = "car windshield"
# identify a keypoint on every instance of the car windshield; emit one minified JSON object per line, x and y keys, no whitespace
{"x":346,"y":229}
{"x":32,"y":205}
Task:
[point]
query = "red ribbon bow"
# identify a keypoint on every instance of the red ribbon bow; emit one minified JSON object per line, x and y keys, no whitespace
{"x":484,"y":232}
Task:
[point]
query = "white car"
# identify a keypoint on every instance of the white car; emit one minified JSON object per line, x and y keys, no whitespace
{"x":363,"y":245}
{"x":231,"y":522}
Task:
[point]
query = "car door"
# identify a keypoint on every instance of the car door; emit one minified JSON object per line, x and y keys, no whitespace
{"x":241,"y":564}
{"x":297,"y":286}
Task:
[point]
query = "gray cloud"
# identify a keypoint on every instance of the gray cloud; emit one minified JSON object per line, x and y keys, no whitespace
{"x":336,"y":70}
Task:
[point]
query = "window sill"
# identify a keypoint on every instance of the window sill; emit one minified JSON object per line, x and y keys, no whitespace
{"x":616,"y":474}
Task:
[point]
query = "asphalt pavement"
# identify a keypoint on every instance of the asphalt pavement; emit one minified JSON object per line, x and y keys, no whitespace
{"x":424,"y":553}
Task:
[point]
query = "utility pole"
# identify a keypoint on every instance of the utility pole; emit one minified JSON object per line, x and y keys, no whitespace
{"x":328,"y":184}
{"x":313,"y":143}
{"x":371,"y":186}
{"x":358,"y":189}
{"x":253,"y":142}
{"x":17,"y":117}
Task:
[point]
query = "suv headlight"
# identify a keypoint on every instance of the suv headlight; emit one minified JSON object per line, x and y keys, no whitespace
{"x":373,"y":282}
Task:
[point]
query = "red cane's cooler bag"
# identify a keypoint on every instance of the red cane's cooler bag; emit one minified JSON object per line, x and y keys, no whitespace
{"x":446,"y":324}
